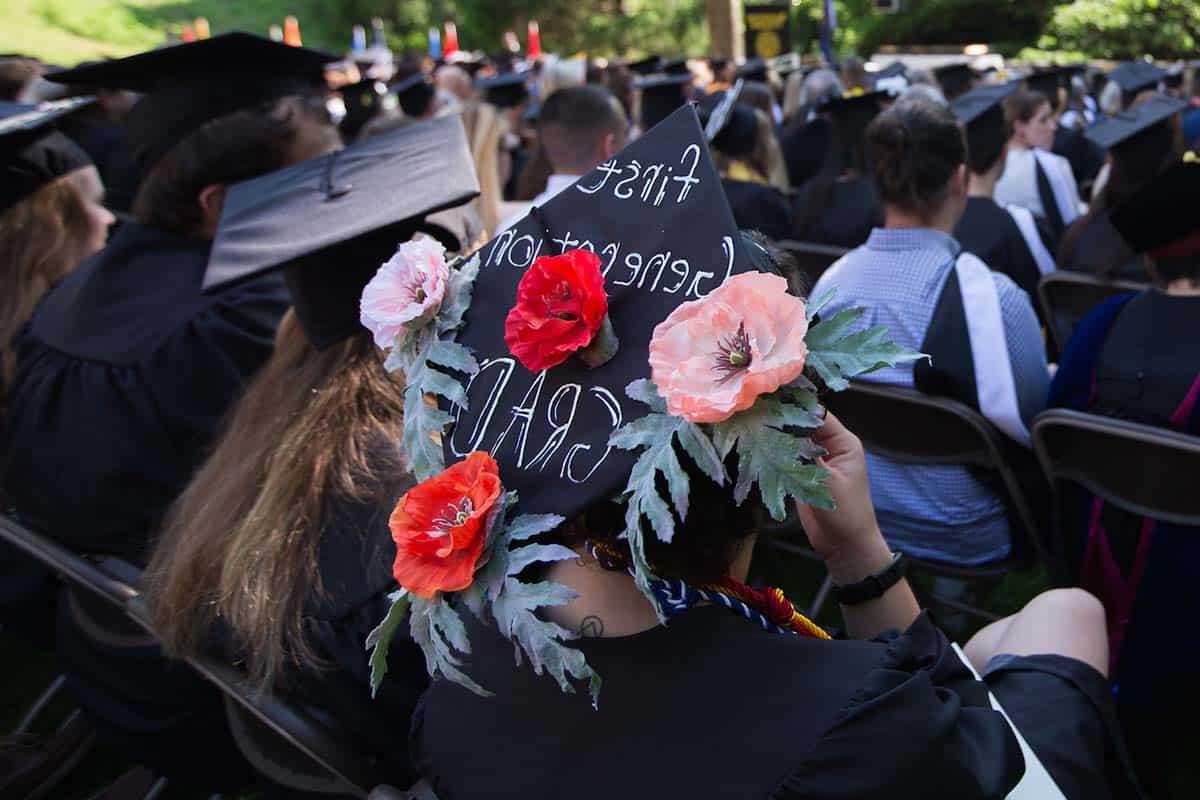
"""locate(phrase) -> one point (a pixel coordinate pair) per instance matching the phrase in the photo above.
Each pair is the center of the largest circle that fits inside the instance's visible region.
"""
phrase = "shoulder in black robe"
(758, 207)
(990, 232)
(1100, 250)
(123, 376)
(849, 213)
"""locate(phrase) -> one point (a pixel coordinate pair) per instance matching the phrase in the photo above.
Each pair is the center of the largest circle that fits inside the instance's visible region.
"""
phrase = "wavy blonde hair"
(241, 543)
(486, 128)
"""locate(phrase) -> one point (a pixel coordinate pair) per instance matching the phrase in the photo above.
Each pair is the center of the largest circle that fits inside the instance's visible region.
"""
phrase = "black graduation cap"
(1162, 219)
(661, 95)
(364, 101)
(1173, 79)
(415, 93)
(657, 217)
(854, 112)
(954, 78)
(754, 70)
(715, 109)
(645, 66)
(731, 127)
(187, 85)
(981, 111)
(676, 66)
(330, 222)
(896, 69)
(1124, 125)
(1049, 80)
(505, 91)
(1136, 76)
(32, 151)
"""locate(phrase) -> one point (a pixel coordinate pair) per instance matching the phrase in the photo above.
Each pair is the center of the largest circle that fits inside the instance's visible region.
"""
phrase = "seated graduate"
(738, 137)
(52, 215)
(977, 325)
(1009, 240)
(840, 205)
(1136, 358)
(128, 366)
(509, 93)
(277, 553)
(805, 135)
(1035, 178)
(1142, 142)
(676, 651)
(579, 128)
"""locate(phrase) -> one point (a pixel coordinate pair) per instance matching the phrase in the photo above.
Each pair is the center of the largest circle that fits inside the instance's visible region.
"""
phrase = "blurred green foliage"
(1125, 29)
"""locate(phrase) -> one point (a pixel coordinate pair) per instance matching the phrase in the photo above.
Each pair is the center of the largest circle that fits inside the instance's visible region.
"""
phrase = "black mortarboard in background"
(1048, 81)
(661, 95)
(1173, 79)
(730, 127)
(1163, 218)
(1122, 127)
(955, 79)
(187, 85)
(1136, 76)
(471, 63)
(33, 152)
(981, 111)
(676, 66)
(414, 93)
(330, 222)
(896, 69)
(853, 113)
(672, 240)
(364, 101)
(505, 91)
(645, 66)
(754, 70)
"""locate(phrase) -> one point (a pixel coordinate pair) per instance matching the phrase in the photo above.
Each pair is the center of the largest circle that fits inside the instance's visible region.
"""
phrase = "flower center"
(454, 515)
(557, 303)
(733, 354)
(418, 294)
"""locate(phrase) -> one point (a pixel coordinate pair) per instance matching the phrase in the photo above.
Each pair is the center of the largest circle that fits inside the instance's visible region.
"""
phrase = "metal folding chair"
(1067, 297)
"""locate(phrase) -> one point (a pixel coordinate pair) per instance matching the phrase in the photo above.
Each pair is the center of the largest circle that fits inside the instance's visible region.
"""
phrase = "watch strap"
(872, 586)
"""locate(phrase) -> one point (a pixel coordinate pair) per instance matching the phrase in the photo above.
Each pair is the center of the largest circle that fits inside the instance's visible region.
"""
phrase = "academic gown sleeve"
(921, 726)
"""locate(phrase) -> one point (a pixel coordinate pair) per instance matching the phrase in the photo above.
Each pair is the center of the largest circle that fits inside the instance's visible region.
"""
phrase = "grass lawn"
(68, 31)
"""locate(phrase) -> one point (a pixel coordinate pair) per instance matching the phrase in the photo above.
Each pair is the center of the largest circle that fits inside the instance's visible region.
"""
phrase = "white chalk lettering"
(634, 262)
(488, 408)
(607, 169)
(522, 415)
(614, 412)
(727, 248)
(561, 427)
(635, 169)
(689, 180)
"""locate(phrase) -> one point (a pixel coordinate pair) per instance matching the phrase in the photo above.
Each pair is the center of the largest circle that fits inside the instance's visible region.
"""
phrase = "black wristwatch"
(872, 586)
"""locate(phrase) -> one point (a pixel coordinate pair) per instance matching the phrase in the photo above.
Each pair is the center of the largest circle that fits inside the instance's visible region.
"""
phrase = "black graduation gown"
(804, 146)
(1101, 250)
(758, 207)
(990, 232)
(123, 376)
(712, 706)
(850, 213)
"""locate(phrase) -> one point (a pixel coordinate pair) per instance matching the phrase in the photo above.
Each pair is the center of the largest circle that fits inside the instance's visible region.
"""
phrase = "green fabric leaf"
(457, 299)
(644, 391)
(821, 300)
(438, 630)
(379, 640)
(452, 355)
(778, 461)
(837, 355)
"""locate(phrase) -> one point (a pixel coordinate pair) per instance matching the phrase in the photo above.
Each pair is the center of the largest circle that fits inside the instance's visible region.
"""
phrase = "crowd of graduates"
(186, 384)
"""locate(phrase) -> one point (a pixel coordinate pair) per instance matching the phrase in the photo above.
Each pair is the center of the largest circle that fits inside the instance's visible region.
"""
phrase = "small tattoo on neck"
(592, 627)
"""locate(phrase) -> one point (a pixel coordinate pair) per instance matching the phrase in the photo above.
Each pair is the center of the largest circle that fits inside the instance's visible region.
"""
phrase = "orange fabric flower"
(713, 357)
(561, 306)
(439, 526)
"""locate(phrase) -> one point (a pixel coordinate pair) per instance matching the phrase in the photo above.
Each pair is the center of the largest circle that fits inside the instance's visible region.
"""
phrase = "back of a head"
(574, 123)
(913, 150)
(1023, 105)
(820, 85)
(1138, 159)
(16, 74)
(758, 95)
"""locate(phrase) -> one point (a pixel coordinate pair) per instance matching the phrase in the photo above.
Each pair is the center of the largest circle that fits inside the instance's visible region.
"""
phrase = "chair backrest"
(1145, 470)
(1067, 297)
(909, 427)
(84, 572)
(813, 258)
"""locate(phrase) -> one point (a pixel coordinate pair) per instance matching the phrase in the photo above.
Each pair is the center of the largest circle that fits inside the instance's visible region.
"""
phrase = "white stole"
(1033, 240)
(995, 386)
(1059, 186)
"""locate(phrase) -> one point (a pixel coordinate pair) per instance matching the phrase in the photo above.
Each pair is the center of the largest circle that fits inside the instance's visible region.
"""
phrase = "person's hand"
(848, 538)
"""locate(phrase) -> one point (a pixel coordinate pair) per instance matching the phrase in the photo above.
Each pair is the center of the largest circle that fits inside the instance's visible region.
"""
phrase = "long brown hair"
(241, 543)
(42, 238)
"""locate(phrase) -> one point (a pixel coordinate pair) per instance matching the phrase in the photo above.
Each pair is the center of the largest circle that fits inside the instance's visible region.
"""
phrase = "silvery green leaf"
(522, 557)
(433, 625)
(457, 299)
(816, 304)
(380, 639)
(452, 355)
(527, 526)
(644, 391)
(778, 461)
(423, 421)
(837, 354)
(700, 449)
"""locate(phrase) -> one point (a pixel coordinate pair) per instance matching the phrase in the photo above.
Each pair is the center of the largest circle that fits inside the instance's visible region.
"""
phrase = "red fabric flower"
(561, 305)
(439, 526)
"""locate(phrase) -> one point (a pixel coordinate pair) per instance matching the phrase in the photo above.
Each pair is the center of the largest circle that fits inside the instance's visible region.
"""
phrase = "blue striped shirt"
(940, 512)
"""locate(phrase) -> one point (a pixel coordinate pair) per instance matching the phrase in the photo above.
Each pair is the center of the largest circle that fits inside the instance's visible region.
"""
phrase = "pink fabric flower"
(406, 292)
(713, 357)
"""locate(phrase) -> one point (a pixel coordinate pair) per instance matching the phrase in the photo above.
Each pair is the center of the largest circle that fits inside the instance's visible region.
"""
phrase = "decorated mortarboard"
(1121, 127)
(1136, 76)
(33, 152)
(645, 66)
(722, 104)
(505, 91)
(731, 127)
(186, 85)
(1161, 219)
(660, 96)
(414, 93)
(954, 78)
(575, 358)
(754, 70)
(329, 222)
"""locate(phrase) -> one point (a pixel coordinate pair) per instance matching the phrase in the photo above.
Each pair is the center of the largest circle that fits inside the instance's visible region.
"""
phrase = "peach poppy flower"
(406, 292)
(439, 526)
(713, 357)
